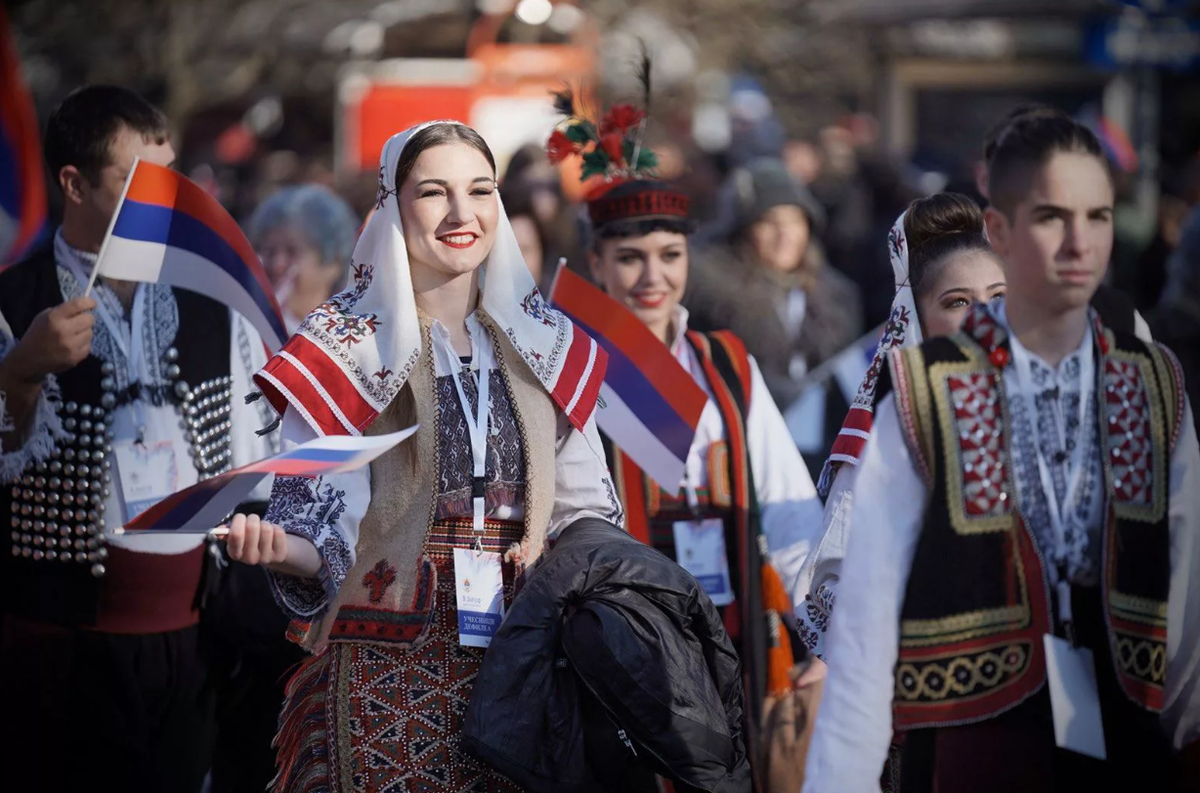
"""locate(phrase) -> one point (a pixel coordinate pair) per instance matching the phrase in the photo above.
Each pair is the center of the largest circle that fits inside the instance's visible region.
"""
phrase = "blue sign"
(1168, 43)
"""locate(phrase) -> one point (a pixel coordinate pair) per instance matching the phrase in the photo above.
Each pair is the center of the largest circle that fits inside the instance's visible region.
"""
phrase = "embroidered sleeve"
(822, 570)
(583, 486)
(324, 510)
(45, 426)
(812, 620)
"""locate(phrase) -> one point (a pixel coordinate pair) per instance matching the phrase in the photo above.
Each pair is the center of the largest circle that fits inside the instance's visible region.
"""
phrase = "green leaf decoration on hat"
(581, 132)
(595, 163)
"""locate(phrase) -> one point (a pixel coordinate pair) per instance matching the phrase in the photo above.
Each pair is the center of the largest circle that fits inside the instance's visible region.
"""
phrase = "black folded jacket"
(611, 664)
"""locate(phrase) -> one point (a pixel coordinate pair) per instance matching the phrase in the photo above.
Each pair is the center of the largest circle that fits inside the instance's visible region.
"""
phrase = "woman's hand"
(255, 541)
(815, 673)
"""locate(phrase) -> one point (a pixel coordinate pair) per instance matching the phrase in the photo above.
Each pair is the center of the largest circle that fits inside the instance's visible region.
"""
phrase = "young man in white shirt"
(1029, 499)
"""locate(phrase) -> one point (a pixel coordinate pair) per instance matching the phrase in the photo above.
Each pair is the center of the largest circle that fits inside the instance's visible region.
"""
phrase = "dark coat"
(727, 293)
(612, 663)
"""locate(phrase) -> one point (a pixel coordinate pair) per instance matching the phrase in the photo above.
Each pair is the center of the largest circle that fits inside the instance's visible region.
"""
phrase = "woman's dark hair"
(640, 227)
(1033, 134)
(81, 129)
(936, 227)
(439, 135)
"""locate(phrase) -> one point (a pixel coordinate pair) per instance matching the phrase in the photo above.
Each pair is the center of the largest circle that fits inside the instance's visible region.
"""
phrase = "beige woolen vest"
(404, 480)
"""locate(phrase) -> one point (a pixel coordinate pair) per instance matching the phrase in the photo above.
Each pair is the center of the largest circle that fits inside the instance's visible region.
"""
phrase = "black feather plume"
(644, 76)
(564, 101)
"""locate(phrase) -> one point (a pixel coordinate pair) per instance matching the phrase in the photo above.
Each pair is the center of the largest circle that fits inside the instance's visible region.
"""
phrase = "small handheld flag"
(649, 404)
(22, 184)
(204, 505)
(168, 230)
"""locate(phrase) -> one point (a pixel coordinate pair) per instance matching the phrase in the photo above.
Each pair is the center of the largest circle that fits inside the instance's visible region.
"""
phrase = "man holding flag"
(110, 402)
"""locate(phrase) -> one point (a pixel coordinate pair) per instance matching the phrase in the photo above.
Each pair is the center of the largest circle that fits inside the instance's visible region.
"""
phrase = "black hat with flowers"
(630, 200)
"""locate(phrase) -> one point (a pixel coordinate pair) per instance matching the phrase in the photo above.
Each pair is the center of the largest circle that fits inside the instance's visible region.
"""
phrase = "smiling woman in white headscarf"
(441, 315)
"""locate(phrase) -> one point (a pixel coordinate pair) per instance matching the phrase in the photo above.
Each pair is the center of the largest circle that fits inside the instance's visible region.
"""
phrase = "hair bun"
(939, 216)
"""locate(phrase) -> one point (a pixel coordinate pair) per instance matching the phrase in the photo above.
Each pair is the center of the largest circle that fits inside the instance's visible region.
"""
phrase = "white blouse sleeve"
(45, 426)
(791, 509)
(582, 484)
(854, 726)
(326, 510)
(822, 571)
(1181, 712)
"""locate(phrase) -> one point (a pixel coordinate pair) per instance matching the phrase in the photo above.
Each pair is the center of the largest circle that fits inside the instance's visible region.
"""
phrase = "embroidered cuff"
(308, 508)
(303, 598)
(812, 619)
(44, 430)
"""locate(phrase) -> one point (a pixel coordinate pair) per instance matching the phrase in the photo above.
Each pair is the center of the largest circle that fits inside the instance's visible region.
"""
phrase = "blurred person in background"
(770, 284)
(529, 170)
(304, 236)
(1145, 280)
(518, 203)
(1176, 320)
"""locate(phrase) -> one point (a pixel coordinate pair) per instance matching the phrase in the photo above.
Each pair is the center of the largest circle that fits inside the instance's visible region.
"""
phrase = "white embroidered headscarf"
(352, 354)
(901, 330)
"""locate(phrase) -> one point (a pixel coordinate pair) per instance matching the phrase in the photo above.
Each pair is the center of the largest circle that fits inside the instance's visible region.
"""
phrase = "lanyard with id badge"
(700, 549)
(478, 576)
(1070, 669)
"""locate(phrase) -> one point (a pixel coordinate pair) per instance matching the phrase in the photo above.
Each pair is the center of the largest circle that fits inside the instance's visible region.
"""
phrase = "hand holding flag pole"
(197, 509)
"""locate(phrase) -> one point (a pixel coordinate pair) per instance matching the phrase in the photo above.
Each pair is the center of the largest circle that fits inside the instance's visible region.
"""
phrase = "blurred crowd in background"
(800, 130)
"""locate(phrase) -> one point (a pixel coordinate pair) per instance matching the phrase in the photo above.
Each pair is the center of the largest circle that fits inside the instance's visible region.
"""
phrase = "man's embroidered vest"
(52, 556)
(978, 599)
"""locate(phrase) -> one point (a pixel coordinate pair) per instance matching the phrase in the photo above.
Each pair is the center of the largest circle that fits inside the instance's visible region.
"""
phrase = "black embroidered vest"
(52, 557)
(978, 599)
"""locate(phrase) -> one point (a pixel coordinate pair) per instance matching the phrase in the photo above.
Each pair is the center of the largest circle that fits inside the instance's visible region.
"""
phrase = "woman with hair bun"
(943, 265)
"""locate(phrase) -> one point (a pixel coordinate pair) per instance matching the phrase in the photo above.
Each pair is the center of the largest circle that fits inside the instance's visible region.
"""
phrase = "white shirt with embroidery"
(787, 498)
(1057, 398)
(328, 509)
(161, 423)
(854, 728)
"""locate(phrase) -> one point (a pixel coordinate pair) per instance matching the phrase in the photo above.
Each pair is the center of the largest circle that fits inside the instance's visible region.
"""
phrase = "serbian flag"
(22, 181)
(169, 230)
(649, 405)
(205, 505)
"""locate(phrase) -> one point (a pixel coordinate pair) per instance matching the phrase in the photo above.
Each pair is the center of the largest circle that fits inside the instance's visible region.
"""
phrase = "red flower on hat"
(613, 144)
(621, 118)
(560, 147)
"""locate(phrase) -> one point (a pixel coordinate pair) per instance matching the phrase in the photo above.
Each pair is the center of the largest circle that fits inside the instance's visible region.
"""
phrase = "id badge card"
(148, 473)
(479, 586)
(700, 549)
(1074, 698)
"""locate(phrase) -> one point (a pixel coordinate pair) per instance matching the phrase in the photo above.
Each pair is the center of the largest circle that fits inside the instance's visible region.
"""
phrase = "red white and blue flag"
(205, 505)
(22, 183)
(649, 405)
(169, 230)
